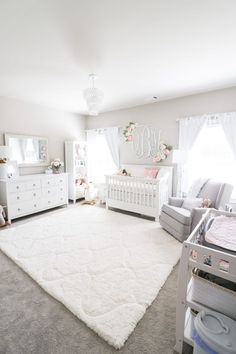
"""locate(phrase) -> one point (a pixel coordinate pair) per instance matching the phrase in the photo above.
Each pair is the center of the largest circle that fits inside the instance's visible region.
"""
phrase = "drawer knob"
(17, 187)
(35, 205)
(18, 209)
(49, 192)
(34, 185)
(17, 197)
(34, 194)
(49, 202)
(48, 182)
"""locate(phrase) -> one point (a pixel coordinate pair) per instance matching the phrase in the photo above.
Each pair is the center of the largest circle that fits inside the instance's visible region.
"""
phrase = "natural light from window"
(211, 157)
(100, 162)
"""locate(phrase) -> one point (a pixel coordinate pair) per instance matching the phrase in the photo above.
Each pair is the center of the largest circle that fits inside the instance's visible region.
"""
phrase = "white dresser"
(33, 193)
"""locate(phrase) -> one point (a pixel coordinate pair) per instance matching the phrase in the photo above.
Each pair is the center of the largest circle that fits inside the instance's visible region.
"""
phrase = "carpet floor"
(32, 322)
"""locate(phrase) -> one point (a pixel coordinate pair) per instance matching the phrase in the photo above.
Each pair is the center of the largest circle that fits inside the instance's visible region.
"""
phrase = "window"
(100, 162)
(211, 156)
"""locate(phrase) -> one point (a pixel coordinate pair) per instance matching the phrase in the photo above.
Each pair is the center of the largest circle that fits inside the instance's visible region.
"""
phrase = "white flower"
(163, 156)
(162, 146)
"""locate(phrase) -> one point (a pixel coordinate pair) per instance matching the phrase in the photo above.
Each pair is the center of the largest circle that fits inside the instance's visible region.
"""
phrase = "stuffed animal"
(2, 217)
(206, 203)
(123, 173)
(90, 193)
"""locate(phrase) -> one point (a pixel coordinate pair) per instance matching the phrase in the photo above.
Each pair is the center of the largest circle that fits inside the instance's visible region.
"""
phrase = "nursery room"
(117, 177)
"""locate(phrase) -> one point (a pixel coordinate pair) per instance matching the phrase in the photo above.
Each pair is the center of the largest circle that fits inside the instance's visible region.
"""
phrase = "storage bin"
(214, 333)
(213, 295)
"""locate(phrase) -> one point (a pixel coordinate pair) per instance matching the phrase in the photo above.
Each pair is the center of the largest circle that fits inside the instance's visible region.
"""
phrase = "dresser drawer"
(14, 187)
(48, 182)
(25, 196)
(25, 208)
(60, 180)
(50, 191)
(33, 185)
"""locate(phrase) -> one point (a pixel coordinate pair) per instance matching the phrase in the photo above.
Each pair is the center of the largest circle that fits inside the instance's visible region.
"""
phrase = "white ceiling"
(138, 48)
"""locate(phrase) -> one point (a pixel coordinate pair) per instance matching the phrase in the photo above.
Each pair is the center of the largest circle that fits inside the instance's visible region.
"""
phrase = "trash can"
(214, 333)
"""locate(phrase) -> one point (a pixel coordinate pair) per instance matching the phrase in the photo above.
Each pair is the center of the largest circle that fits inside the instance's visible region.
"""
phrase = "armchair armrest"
(177, 202)
(196, 215)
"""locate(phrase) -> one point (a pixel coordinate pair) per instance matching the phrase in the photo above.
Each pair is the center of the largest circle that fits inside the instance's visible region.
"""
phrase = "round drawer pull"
(49, 201)
(17, 197)
(18, 209)
(17, 187)
(48, 182)
(49, 192)
(34, 194)
(34, 185)
(35, 205)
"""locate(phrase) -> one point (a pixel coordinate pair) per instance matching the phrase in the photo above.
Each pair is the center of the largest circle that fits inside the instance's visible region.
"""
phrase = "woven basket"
(214, 296)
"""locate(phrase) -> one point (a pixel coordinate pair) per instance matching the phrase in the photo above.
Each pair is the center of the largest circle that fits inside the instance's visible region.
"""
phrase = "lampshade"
(93, 97)
(179, 156)
(5, 152)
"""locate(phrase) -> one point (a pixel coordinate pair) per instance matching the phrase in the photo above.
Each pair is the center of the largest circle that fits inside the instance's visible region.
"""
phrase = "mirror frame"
(7, 136)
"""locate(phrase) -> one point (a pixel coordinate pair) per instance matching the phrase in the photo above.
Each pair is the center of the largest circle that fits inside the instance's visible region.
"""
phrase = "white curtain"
(113, 142)
(228, 123)
(100, 161)
(189, 129)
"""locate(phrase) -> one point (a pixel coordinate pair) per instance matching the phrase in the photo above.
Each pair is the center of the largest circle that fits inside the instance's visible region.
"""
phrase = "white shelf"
(189, 325)
(184, 316)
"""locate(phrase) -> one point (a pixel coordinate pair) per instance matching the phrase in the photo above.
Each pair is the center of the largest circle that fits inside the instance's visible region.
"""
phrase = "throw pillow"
(150, 172)
(191, 203)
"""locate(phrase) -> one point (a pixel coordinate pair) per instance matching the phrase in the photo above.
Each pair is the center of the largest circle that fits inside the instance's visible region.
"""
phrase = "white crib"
(139, 194)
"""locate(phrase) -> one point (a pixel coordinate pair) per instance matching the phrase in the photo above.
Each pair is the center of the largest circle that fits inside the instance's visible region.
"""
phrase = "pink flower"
(166, 152)
(130, 138)
(157, 158)
(129, 129)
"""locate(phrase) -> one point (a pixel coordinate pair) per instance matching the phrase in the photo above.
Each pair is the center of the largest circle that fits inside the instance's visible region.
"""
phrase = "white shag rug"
(104, 266)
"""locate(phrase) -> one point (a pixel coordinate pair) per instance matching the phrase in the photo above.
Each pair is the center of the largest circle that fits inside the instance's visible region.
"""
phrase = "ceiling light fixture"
(93, 96)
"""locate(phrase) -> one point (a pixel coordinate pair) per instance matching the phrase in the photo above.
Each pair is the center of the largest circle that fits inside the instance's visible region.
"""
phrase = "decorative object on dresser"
(76, 167)
(57, 165)
(33, 193)
(5, 155)
(138, 193)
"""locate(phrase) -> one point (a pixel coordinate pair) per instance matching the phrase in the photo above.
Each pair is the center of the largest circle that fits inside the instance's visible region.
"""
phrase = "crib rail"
(138, 194)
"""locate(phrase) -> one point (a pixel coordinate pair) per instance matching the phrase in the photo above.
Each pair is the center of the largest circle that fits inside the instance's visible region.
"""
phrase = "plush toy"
(123, 173)
(206, 203)
(90, 193)
(2, 217)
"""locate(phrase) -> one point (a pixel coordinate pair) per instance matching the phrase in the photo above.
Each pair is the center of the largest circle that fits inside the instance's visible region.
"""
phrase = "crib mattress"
(222, 233)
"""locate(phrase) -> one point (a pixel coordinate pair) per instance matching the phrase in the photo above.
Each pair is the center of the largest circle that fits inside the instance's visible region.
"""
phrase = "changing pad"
(222, 232)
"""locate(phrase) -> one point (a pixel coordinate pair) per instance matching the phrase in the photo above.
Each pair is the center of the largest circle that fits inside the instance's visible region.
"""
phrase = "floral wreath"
(129, 131)
(164, 151)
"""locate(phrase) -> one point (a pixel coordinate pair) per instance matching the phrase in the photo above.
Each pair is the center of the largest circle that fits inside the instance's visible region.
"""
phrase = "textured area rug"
(105, 267)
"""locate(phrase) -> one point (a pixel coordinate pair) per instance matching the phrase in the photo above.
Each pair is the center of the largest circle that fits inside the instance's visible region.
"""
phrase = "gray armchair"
(179, 222)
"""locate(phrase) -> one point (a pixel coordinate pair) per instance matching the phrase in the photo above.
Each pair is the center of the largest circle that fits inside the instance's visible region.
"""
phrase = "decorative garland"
(129, 131)
(164, 151)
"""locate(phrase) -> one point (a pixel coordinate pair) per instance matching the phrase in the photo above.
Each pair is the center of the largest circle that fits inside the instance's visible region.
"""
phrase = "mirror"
(28, 150)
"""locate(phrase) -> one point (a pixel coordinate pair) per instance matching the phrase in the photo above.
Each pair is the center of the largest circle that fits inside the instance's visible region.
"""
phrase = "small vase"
(56, 171)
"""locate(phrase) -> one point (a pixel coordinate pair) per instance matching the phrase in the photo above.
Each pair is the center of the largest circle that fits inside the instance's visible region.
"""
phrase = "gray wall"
(163, 115)
(19, 117)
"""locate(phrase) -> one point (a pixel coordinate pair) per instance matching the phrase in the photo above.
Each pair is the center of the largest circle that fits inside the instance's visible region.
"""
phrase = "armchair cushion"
(179, 214)
(177, 202)
(196, 215)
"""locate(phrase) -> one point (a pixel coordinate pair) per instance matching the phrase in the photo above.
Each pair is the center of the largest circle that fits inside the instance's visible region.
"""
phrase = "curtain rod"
(207, 115)
(103, 128)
